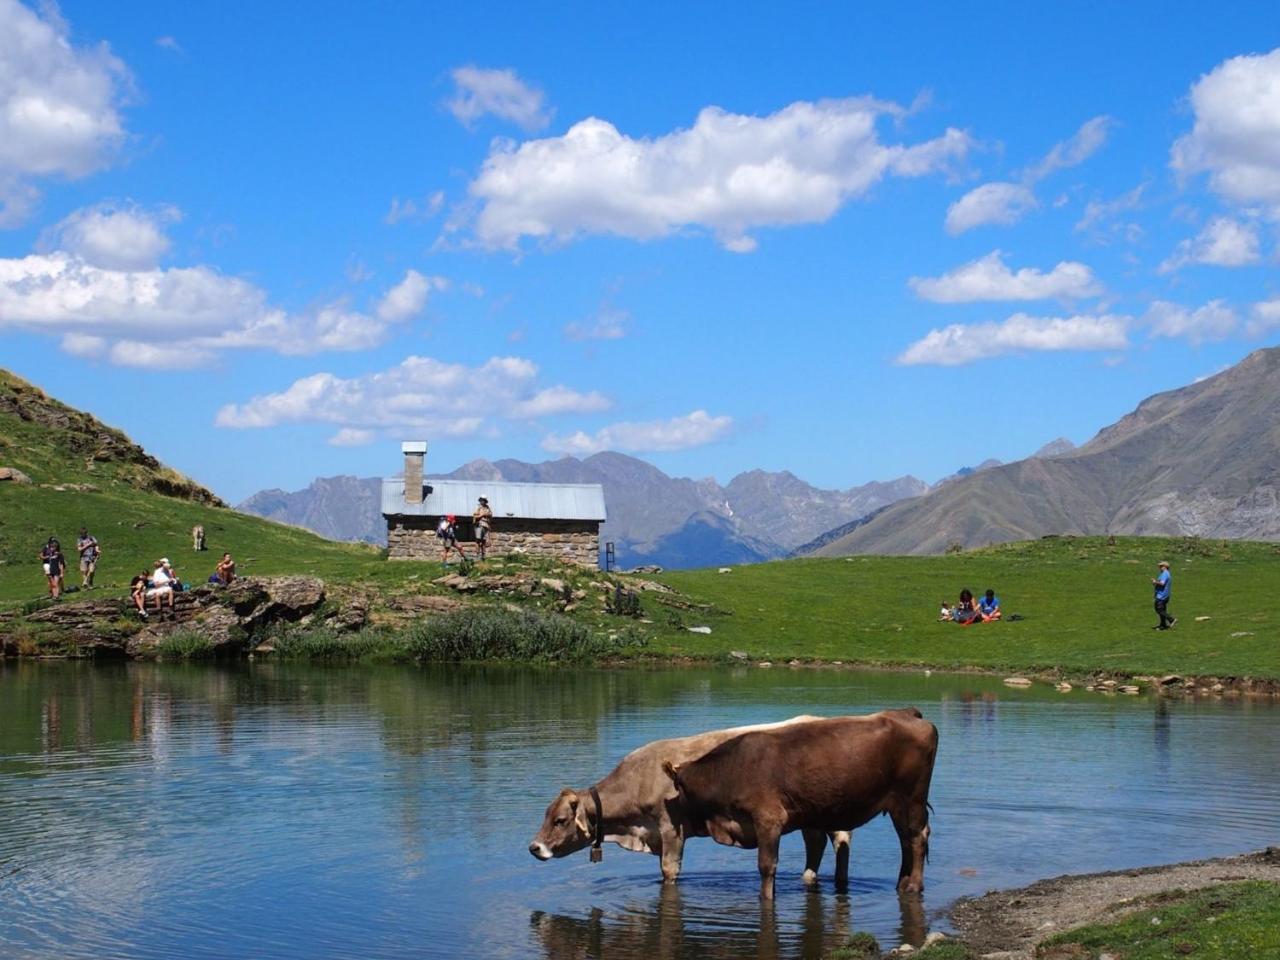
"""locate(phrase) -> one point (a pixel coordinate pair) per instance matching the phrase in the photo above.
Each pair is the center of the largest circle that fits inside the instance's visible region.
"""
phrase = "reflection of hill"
(674, 927)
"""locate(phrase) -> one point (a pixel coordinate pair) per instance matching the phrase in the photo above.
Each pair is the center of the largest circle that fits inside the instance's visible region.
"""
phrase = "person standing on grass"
(447, 533)
(89, 551)
(482, 518)
(54, 564)
(1163, 584)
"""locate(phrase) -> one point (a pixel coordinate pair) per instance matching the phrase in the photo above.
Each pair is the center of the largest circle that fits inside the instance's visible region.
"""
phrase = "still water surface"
(276, 810)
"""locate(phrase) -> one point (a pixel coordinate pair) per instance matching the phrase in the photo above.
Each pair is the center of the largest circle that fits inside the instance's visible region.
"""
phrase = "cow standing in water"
(821, 775)
(638, 807)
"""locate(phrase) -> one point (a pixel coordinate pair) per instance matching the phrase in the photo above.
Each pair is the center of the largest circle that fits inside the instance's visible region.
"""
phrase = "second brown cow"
(831, 774)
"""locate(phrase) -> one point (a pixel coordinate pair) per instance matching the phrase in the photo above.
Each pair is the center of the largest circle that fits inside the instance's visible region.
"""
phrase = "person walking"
(1163, 584)
(481, 519)
(89, 550)
(447, 534)
(54, 565)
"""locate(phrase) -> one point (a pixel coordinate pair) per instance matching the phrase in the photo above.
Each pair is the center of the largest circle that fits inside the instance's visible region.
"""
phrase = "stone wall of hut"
(573, 541)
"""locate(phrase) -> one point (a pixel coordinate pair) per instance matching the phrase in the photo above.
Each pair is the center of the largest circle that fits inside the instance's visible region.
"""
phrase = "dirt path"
(1007, 924)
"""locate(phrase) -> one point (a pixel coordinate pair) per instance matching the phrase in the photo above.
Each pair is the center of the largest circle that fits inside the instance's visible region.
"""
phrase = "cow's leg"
(815, 845)
(840, 840)
(768, 836)
(912, 825)
(672, 853)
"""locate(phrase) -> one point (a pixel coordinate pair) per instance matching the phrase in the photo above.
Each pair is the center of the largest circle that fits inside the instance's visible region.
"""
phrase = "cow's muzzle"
(540, 850)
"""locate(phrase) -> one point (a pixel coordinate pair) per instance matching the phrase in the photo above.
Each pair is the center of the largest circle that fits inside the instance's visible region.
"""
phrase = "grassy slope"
(1239, 921)
(1087, 607)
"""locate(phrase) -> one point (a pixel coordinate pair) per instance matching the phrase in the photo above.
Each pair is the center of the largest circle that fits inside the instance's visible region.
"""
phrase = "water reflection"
(333, 812)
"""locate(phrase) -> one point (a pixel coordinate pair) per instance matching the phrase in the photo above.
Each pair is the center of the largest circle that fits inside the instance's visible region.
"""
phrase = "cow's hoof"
(910, 886)
(810, 877)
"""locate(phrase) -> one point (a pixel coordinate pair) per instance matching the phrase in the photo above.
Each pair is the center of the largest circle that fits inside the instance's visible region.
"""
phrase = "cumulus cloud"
(1222, 243)
(961, 343)
(403, 210)
(1005, 203)
(1264, 317)
(59, 106)
(498, 92)
(988, 278)
(116, 237)
(728, 174)
(408, 297)
(1236, 135)
(115, 312)
(695, 429)
(999, 203)
(419, 393)
(352, 437)
(1214, 321)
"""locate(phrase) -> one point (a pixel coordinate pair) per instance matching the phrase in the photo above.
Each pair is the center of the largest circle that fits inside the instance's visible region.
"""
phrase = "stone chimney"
(415, 453)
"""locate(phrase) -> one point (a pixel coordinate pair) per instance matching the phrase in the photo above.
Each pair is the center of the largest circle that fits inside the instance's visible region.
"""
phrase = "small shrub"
(293, 642)
(33, 606)
(185, 645)
(955, 546)
(861, 946)
(478, 634)
(624, 603)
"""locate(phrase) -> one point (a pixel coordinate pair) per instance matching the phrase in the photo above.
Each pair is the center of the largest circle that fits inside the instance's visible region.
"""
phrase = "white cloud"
(1222, 243)
(59, 106)
(1103, 219)
(499, 92)
(1083, 144)
(728, 174)
(961, 343)
(1264, 318)
(63, 294)
(988, 278)
(425, 209)
(407, 298)
(608, 324)
(679, 433)
(421, 393)
(352, 437)
(1000, 203)
(170, 43)
(1214, 321)
(114, 237)
(1236, 136)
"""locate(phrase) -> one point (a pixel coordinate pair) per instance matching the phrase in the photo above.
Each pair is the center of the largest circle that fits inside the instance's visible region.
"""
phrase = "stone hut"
(560, 520)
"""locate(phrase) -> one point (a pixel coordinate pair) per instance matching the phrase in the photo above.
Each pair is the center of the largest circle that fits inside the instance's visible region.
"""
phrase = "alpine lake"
(277, 810)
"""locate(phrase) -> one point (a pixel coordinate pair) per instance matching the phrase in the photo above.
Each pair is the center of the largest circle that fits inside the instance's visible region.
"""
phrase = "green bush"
(185, 645)
(292, 642)
(478, 634)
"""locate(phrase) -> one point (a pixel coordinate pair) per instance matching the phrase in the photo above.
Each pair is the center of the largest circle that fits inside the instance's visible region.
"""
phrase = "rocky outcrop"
(14, 475)
(230, 618)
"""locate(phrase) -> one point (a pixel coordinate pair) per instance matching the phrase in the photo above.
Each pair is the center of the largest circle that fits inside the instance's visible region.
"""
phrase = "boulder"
(1017, 682)
(14, 475)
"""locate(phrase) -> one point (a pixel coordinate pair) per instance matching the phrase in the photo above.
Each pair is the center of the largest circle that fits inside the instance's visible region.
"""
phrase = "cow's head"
(565, 829)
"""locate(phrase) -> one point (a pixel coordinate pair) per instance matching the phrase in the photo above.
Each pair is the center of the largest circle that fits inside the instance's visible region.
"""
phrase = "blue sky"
(853, 243)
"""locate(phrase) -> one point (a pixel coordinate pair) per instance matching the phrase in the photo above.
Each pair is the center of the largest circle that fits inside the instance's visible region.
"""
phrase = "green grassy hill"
(84, 473)
(1087, 606)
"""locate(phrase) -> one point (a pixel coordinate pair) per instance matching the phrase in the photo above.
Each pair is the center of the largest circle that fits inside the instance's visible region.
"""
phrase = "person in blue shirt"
(989, 607)
(1163, 584)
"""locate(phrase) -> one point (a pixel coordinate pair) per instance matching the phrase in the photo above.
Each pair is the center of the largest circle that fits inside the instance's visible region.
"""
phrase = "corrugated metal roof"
(531, 501)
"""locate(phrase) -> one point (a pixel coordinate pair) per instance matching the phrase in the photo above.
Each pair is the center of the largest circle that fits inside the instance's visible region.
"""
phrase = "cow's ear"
(671, 770)
(572, 798)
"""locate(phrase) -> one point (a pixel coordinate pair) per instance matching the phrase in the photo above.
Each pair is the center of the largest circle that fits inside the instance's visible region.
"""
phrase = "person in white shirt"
(161, 589)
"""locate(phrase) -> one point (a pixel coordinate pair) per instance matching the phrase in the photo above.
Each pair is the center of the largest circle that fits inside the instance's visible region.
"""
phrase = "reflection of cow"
(831, 774)
(642, 810)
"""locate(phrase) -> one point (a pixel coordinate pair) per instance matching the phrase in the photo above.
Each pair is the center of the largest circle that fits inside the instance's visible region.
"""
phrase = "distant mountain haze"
(653, 518)
(1203, 460)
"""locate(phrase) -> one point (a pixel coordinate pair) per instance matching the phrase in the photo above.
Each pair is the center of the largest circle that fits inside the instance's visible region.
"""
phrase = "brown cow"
(643, 812)
(823, 775)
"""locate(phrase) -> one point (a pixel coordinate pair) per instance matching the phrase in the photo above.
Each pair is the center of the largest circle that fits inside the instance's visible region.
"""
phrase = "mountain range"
(1202, 460)
(653, 518)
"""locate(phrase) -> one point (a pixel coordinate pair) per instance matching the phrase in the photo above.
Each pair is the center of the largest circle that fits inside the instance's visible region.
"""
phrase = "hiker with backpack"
(447, 534)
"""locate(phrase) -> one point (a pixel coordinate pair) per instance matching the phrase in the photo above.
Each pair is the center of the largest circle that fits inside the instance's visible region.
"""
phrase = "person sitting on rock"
(966, 611)
(989, 607)
(161, 588)
(138, 593)
(175, 582)
(447, 533)
(225, 572)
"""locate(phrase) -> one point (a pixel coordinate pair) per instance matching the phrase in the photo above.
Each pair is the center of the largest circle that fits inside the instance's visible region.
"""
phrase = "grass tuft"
(185, 645)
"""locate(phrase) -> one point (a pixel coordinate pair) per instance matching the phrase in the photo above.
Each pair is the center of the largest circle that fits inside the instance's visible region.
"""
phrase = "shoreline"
(1008, 924)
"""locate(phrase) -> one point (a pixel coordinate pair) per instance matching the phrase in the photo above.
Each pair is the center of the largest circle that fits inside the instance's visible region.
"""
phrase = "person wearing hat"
(1163, 584)
(482, 518)
(447, 533)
